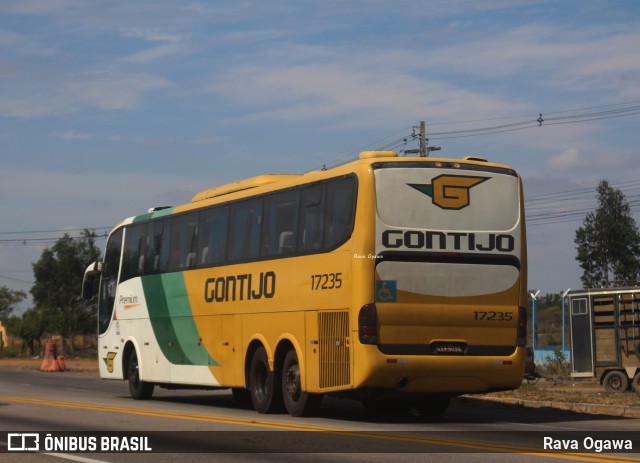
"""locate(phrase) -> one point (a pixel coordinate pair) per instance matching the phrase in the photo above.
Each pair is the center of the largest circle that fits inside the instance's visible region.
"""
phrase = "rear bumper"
(457, 374)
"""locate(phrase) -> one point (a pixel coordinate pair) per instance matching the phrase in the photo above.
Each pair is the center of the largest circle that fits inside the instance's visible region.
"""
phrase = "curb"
(588, 408)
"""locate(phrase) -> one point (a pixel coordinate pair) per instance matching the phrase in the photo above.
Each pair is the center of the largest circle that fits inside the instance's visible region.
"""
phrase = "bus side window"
(245, 230)
(157, 250)
(212, 243)
(108, 280)
(311, 222)
(339, 213)
(184, 242)
(280, 223)
(133, 255)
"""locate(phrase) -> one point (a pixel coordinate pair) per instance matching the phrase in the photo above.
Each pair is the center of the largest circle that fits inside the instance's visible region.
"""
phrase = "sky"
(110, 108)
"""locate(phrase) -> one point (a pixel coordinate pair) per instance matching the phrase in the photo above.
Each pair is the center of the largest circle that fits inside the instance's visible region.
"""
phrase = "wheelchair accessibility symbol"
(386, 291)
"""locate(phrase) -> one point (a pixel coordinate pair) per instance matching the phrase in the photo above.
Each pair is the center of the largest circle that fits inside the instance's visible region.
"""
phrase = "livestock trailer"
(605, 336)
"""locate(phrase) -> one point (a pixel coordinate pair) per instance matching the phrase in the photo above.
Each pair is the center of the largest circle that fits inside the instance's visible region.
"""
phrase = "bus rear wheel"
(139, 389)
(264, 385)
(296, 401)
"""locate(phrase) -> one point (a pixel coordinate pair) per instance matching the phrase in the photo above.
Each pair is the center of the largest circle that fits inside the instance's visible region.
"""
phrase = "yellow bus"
(397, 281)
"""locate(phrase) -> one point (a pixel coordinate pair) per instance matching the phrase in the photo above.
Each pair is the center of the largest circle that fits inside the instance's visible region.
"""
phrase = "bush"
(558, 365)
(9, 352)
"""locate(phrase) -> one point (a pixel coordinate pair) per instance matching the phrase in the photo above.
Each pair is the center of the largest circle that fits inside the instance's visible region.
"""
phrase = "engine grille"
(334, 348)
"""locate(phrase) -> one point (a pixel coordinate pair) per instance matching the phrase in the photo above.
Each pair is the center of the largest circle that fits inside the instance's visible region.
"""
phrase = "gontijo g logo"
(450, 191)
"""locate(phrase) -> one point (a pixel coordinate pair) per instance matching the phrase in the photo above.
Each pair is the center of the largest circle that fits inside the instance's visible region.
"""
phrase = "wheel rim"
(292, 382)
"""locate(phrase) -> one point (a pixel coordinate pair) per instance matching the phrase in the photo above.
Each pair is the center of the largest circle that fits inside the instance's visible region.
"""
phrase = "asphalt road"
(82, 410)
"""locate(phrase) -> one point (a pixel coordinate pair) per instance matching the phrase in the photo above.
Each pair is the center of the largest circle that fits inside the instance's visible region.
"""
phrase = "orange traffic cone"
(61, 364)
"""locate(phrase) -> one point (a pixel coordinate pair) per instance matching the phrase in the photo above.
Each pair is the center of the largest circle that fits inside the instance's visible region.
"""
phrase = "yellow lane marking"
(489, 447)
(163, 414)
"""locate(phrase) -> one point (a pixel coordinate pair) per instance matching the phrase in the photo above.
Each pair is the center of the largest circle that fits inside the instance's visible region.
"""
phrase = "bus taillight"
(368, 324)
(522, 327)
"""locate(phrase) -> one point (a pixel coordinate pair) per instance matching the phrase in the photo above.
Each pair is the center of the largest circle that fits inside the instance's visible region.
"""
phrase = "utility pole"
(423, 140)
(424, 149)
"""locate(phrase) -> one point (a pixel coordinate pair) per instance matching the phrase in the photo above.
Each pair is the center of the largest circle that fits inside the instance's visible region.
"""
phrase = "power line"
(534, 115)
(62, 230)
(16, 280)
(573, 205)
(49, 240)
(530, 122)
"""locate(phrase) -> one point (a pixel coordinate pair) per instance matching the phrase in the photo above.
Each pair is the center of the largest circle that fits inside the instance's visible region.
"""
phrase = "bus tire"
(615, 381)
(296, 401)
(139, 389)
(264, 384)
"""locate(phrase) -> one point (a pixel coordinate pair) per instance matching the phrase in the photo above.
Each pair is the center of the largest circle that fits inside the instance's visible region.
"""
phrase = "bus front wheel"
(297, 401)
(139, 389)
(264, 385)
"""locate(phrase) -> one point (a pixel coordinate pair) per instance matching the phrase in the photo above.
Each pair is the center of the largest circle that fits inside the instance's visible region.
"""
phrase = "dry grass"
(571, 392)
(78, 365)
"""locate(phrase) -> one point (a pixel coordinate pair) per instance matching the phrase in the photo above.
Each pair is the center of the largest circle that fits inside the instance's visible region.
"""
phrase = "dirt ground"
(570, 391)
(555, 390)
(78, 365)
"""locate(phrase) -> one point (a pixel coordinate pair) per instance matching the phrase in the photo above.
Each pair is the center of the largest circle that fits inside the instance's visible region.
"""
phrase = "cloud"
(63, 93)
(73, 135)
(104, 198)
(572, 160)
(360, 93)
(14, 43)
(552, 57)
(39, 7)
(155, 53)
(509, 70)
(153, 35)
(566, 160)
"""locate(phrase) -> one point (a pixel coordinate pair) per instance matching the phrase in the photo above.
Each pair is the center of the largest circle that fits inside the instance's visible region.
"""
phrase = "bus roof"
(367, 157)
(268, 181)
(242, 185)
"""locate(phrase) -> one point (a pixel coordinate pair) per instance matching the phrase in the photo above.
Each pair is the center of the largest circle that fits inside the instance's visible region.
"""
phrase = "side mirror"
(91, 280)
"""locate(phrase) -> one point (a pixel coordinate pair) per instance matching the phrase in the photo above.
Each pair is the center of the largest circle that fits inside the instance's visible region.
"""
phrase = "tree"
(58, 285)
(29, 328)
(8, 300)
(608, 243)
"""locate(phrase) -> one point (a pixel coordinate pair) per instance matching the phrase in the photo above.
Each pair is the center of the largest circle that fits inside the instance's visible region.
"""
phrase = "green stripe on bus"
(153, 215)
(172, 320)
